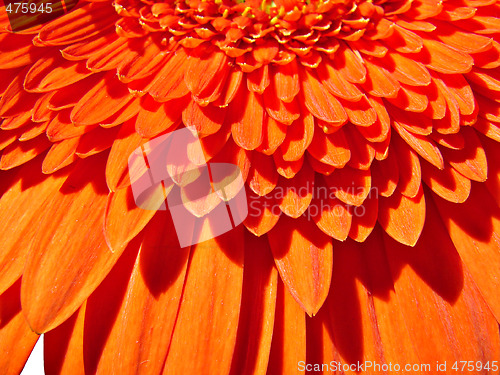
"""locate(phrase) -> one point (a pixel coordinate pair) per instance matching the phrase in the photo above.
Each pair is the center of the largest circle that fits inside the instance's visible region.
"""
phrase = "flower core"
(266, 32)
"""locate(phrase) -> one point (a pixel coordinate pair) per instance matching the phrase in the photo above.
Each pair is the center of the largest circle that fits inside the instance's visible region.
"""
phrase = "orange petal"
(379, 303)
(207, 120)
(299, 136)
(97, 141)
(349, 308)
(21, 214)
(69, 96)
(15, 100)
(385, 174)
(415, 123)
(304, 256)
(155, 118)
(258, 80)
(330, 214)
(283, 112)
(124, 219)
(258, 305)
(19, 153)
(168, 82)
(205, 75)
(286, 81)
(196, 346)
(16, 338)
(350, 65)
(273, 134)
(233, 154)
(289, 335)
(364, 217)
(150, 305)
(127, 140)
(263, 213)
(103, 100)
(246, 117)
(34, 132)
(60, 155)
(318, 166)
(331, 149)
(78, 25)
(493, 181)
(460, 90)
(233, 83)
(84, 50)
(61, 127)
(425, 147)
(380, 82)
(143, 65)
(408, 71)
(444, 312)
(54, 73)
(337, 84)
(360, 113)
(379, 130)
(447, 183)
(350, 185)
(262, 177)
(471, 160)
(320, 102)
(63, 346)
(441, 58)
(461, 40)
(403, 218)
(409, 169)
(102, 307)
(295, 194)
(18, 51)
(78, 259)
(287, 169)
(362, 152)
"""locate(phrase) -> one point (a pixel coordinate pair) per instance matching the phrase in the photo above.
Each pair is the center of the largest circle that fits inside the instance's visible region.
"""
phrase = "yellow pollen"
(246, 11)
(218, 2)
(274, 20)
(226, 13)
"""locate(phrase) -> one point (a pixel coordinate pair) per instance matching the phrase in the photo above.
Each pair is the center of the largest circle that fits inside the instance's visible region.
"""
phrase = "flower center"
(273, 31)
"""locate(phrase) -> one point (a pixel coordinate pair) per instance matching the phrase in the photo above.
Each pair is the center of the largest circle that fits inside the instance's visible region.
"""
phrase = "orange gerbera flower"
(366, 132)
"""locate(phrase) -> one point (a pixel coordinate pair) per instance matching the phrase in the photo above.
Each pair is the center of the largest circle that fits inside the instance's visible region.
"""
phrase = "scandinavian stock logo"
(205, 199)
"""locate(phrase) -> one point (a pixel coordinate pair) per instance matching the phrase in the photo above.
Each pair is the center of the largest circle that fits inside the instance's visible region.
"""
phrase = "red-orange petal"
(56, 282)
(303, 255)
(403, 218)
(149, 308)
(196, 346)
(258, 305)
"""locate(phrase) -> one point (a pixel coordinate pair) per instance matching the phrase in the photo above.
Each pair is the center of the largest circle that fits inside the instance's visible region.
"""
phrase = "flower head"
(366, 132)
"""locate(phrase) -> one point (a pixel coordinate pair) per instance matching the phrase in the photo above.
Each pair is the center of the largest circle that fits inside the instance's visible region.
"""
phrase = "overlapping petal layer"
(366, 131)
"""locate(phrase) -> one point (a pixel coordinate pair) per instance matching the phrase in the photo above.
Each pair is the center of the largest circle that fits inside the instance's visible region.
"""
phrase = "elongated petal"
(474, 226)
(21, 214)
(16, 338)
(403, 218)
(63, 346)
(304, 261)
(78, 259)
(124, 219)
(258, 305)
(146, 318)
(196, 346)
(289, 336)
